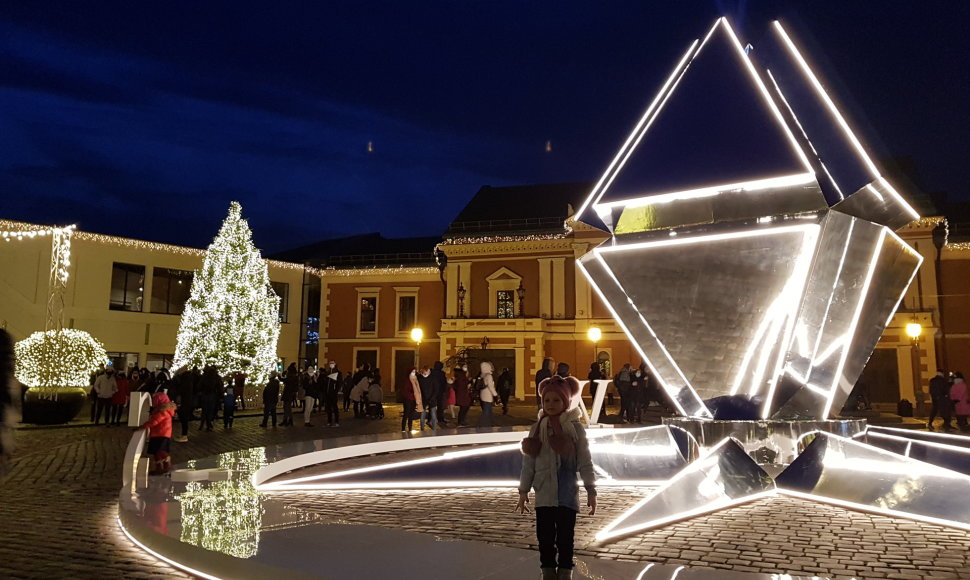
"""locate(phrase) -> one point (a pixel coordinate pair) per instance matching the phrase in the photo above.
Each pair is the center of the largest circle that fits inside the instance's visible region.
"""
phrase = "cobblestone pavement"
(59, 498)
(57, 517)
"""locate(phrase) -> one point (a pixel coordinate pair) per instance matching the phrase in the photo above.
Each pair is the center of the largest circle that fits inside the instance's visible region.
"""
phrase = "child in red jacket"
(159, 427)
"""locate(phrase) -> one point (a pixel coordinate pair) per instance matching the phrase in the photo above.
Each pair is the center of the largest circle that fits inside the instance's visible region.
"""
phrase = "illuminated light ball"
(58, 358)
(914, 330)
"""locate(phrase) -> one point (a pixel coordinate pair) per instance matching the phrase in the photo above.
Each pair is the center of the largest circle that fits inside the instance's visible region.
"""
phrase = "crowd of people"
(436, 399)
(949, 396)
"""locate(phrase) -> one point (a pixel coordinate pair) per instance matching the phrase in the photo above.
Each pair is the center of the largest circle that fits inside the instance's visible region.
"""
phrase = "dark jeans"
(944, 409)
(103, 405)
(116, 413)
(463, 414)
(269, 411)
(333, 409)
(208, 414)
(287, 412)
(346, 401)
(228, 414)
(358, 409)
(554, 530)
(185, 415)
(504, 397)
(486, 419)
(406, 418)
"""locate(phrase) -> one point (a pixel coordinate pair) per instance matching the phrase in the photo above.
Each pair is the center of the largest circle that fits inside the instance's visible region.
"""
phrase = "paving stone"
(68, 479)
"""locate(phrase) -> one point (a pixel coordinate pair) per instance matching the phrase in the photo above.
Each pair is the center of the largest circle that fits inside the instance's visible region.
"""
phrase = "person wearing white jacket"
(555, 450)
(488, 394)
(105, 386)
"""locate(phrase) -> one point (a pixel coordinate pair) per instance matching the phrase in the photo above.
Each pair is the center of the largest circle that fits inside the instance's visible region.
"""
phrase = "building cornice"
(516, 245)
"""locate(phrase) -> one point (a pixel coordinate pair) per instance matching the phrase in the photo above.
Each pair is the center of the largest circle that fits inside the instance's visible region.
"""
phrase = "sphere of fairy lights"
(58, 358)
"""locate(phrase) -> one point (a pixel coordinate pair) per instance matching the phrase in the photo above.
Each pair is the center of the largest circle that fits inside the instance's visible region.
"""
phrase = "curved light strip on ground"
(169, 561)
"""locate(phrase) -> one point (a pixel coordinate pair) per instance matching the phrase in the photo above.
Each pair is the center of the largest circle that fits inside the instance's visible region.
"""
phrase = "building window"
(368, 314)
(406, 312)
(123, 361)
(505, 305)
(170, 290)
(282, 290)
(367, 319)
(127, 287)
(365, 356)
(502, 298)
(158, 361)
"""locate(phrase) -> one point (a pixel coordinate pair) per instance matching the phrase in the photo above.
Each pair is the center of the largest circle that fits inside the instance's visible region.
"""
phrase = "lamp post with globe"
(914, 330)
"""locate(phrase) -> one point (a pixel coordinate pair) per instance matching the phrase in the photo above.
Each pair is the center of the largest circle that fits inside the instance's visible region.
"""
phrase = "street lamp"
(914, 330)
(594, 334)
(941, 234)
(461, 300)
(417, 335)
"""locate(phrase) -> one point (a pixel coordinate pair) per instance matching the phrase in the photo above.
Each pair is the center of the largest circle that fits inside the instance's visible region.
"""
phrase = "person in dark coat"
(505, 387)
(331, 383)
(544, 373)
(462, 397)
(428, 398)
(942, 405)
(8, 399)
(291, 388)
(439, 382)
(210, 390)
(185, 399)
(596, 374)
(624, 384)
(271, 397)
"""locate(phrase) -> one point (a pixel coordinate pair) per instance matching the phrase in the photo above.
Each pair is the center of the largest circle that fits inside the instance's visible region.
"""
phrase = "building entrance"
(881, 376)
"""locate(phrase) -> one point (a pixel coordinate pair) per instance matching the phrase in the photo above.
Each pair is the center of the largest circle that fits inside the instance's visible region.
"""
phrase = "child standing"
(159, 427)
(554, 451)
(228, 408)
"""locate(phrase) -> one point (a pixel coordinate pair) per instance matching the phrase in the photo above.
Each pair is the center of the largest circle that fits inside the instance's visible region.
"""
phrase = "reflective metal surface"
(944, 455)
(767, 442)
(649, 454)
(859, 476)
(723, 477)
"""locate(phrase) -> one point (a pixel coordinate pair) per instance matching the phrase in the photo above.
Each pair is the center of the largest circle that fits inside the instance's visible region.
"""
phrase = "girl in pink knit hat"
(555, 450)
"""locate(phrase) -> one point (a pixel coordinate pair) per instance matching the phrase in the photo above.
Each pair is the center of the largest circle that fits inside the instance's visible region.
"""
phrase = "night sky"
(146, 119)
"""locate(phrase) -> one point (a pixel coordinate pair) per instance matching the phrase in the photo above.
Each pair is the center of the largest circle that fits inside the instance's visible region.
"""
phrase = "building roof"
(519, 209)
(364, 250)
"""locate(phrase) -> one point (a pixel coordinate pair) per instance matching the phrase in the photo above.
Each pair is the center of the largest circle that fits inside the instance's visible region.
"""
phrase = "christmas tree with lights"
(231, 319)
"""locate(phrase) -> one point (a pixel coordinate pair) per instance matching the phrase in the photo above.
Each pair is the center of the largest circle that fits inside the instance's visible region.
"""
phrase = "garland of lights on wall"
(58, 358)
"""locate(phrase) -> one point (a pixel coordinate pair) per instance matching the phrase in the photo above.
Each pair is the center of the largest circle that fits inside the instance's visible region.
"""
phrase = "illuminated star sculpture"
(752, 250)
(752, 256)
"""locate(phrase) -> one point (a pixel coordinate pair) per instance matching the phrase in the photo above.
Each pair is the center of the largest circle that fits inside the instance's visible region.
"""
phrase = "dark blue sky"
(146, 119)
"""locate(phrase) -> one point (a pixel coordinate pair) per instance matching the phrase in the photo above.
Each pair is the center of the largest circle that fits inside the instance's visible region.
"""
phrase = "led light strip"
(767, 96)
(597, 191)
(611, 531)
(872, 509)
(942, 446)
(169, 561)
(754, 185)
(855, 322)
(834, 111)
(791, 111)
